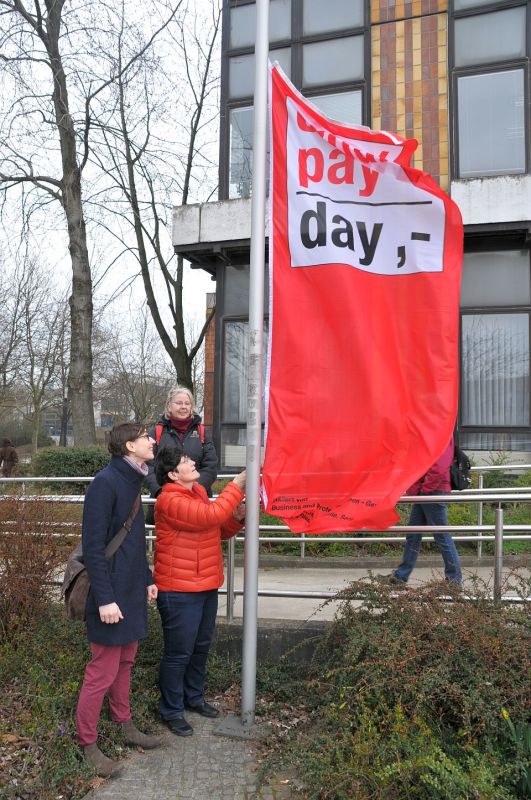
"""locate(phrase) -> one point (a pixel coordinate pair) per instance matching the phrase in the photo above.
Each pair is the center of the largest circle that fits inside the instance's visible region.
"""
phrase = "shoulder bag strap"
(117, 540)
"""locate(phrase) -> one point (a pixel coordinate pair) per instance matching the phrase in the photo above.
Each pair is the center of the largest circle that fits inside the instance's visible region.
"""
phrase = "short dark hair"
(123, 433)
(167, 459)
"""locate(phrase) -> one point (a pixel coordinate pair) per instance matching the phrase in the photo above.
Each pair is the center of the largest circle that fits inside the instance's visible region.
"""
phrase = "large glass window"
(487, 38)
(241, 152)
(333, 61)
(462, 5)
(495, 357)
(243, 23)
(341, 106)
(491, 92)
(236, 289)
(495, 384)
(332, 15)
(233, 448)
(491, 123)
(241, 71)
(496, 278)
(236, 350)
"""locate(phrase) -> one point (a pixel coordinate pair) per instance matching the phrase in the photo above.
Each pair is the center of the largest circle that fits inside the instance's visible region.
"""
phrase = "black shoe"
(205, 709)
(179, 727)
(390, 580)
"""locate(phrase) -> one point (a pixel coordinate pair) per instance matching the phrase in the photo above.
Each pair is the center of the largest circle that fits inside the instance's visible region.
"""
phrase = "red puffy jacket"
(190, 527)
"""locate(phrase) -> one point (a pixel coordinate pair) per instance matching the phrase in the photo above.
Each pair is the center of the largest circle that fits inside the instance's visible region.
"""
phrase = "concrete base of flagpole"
(232, 727)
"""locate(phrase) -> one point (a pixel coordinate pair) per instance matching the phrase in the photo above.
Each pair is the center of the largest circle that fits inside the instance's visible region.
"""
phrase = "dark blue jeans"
(430, 514)
(188, 620)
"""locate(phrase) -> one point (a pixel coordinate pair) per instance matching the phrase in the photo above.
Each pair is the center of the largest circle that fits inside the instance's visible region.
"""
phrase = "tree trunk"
(35, 426)
(64, 423)
(80, 373)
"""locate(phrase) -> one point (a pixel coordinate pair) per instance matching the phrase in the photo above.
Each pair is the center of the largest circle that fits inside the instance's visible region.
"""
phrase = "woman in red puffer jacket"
(188, 573)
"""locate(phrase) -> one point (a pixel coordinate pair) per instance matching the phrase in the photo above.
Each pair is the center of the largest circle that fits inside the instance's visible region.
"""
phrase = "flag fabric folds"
(365, 262)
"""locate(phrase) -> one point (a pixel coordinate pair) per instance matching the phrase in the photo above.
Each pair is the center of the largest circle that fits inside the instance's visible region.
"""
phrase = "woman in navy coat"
(119, 590)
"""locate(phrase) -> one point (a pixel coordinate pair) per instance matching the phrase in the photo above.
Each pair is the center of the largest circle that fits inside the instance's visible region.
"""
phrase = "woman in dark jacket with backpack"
(181, 426)
(120, 589)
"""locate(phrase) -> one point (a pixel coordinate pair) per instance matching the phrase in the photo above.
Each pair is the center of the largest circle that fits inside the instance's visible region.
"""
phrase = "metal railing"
(497, 533)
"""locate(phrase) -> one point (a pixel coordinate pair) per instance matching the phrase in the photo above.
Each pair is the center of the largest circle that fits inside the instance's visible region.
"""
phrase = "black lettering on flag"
(401, 252)
(420, 237)
(369, 246)
(320, 218)
(343, 237)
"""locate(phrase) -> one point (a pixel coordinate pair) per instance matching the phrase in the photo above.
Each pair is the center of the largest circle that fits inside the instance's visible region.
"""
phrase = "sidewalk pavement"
(199, 767)
(335, 579)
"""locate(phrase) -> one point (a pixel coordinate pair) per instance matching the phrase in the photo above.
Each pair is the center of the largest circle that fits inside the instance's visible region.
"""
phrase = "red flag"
(365, 268)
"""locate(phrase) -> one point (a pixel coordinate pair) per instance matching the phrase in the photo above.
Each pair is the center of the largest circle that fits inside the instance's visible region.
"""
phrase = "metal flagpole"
(254, 385)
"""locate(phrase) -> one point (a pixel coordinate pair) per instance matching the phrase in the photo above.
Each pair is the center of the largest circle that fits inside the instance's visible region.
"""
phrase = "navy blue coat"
(124, 578)
(204, 454)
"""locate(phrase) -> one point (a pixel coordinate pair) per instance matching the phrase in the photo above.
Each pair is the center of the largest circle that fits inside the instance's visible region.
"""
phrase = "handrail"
(229, 475)
(496, 532)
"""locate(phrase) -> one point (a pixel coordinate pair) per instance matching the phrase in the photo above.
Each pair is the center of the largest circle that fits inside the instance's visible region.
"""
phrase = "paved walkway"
(334, 579)
(199, 767)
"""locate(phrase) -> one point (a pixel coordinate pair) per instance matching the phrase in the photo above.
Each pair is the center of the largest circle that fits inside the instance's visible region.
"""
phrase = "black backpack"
(460, 470)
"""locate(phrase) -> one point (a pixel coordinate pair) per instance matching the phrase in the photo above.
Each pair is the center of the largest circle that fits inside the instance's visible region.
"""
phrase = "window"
(241, 71)
(234, 403)
(495, 354)
(333, 61)
(490, 90)
(243, 23)
(326, 58)
(491, 124)
(490, 37)
(332, 15)
(343, 106)
(241, 152)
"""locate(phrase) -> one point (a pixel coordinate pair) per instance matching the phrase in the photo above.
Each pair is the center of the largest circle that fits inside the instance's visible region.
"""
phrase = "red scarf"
(181, 426)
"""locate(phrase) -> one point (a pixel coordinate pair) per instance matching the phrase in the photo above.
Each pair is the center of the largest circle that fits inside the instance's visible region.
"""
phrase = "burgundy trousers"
(107, 673)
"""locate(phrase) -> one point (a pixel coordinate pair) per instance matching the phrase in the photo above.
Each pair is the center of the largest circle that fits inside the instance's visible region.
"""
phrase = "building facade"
(455, 75)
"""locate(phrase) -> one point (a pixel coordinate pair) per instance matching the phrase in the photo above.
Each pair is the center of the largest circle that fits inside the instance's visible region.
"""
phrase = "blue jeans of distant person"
(188, 620)
(430, 514)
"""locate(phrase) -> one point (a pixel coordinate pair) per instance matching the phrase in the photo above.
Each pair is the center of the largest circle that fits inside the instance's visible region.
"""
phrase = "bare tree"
(11, 325)
(45, 320)
(139, 153)
(135, 374)
(52, 56)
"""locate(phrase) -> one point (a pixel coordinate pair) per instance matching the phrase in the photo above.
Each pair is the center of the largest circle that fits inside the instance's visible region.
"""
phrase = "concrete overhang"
(503, 199)
(214, 234)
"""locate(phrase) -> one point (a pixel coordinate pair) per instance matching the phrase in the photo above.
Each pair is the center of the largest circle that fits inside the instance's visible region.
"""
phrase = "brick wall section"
(210, 346)
(410, 77)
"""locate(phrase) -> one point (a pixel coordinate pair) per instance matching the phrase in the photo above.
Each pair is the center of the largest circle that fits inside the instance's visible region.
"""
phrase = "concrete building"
(453, 74)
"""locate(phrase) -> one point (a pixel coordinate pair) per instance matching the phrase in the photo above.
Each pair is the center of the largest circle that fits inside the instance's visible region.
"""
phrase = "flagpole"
(254, 385)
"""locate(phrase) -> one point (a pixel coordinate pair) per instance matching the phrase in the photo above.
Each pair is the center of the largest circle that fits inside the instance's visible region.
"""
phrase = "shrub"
(70, 462)
(382, 753)
(459, 663)
(406, 695)
(29, 556)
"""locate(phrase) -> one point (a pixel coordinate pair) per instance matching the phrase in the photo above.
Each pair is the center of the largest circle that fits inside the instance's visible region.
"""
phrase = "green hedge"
(70, 462)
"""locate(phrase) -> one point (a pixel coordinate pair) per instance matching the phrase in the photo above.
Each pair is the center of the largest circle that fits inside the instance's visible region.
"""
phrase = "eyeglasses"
(144, 436)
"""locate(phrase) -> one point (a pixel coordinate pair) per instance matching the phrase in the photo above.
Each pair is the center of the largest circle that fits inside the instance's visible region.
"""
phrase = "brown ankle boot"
(103, 766)
(135, 737)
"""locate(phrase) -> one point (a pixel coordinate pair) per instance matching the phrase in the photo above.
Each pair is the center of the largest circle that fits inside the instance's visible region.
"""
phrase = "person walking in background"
(181, 425)
(435, 481)
(8, 458)
(188, 573)
(116, 614)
